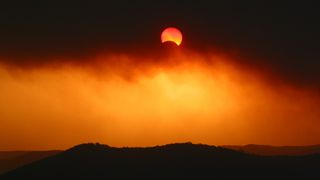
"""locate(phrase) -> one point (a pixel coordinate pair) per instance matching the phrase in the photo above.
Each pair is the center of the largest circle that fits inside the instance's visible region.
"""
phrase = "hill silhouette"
(10, 160)
(173, 161)
(276, 150)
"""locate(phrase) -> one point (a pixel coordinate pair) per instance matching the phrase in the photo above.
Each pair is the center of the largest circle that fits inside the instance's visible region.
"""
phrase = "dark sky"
(282, 35)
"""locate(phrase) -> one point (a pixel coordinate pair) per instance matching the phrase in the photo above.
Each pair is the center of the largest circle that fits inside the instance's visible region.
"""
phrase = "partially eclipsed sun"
(171, 34)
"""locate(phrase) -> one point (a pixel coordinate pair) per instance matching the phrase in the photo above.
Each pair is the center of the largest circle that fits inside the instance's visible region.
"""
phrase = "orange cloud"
(183, 97)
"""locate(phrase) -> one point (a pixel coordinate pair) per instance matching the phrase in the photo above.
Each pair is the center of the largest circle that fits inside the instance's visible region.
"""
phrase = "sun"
(171, 34)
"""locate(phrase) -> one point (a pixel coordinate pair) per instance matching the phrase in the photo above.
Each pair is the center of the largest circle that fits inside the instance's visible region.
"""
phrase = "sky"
(96, 71)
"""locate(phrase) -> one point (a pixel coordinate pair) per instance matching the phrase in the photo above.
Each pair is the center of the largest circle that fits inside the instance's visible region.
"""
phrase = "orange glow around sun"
(171, 34)
(117, 101)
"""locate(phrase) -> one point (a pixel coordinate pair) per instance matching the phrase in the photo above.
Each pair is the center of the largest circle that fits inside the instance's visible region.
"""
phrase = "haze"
(129, 100)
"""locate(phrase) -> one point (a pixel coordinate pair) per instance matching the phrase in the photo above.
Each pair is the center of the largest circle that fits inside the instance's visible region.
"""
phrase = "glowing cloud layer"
(203, 99)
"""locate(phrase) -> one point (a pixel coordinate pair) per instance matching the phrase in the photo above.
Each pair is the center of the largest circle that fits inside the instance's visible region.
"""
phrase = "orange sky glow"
(186, 97)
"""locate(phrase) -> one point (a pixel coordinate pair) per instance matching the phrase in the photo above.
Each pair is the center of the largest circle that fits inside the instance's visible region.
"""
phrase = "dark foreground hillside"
(174, 161)
(10, 160)
(276, 150)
